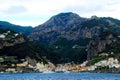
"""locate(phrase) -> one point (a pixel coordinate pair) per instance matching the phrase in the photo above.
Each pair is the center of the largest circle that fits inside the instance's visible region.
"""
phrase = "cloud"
(36, 11)
(15, 10)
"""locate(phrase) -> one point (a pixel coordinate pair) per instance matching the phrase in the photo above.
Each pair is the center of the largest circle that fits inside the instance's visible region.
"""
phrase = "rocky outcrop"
(11, 42)
(99, 43)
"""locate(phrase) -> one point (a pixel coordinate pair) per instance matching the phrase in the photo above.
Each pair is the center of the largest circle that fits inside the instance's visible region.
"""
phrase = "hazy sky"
(35, 12)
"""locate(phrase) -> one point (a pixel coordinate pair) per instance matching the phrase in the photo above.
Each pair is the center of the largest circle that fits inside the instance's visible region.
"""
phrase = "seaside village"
(65, 68)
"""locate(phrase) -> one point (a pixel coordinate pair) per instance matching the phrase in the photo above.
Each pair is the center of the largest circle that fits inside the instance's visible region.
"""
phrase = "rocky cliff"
(13, 44)
(100, 43)
(10, 38)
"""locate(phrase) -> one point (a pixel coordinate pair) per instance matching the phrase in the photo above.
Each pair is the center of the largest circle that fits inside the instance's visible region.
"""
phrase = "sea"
(59, 76)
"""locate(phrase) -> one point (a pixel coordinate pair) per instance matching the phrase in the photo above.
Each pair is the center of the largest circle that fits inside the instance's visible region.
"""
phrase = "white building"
(92, 68)
(40, 67)
(2, 36)
(16, 34)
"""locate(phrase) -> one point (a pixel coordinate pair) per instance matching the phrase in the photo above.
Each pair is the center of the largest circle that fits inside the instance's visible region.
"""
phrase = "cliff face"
(10, 38)
(12, 42)
(99, 44)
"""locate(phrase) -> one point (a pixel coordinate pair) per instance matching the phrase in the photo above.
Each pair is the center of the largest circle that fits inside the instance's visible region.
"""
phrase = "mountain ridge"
(23, 29)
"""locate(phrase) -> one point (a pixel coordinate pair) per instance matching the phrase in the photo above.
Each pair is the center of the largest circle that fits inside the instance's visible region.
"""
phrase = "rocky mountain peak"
(66, 16)
(63, 20)
(59, 24)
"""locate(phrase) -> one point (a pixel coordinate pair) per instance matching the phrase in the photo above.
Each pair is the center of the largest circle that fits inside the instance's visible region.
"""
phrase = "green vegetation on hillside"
(31, 50)
(69, 50)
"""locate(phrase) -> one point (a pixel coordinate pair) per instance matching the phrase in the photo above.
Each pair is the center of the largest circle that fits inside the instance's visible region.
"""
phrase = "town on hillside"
(25, 66)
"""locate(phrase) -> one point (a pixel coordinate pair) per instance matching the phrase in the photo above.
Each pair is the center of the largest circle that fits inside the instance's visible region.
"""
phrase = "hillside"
(23, 29)
(10, 38)
(15, 44)
(16, 49)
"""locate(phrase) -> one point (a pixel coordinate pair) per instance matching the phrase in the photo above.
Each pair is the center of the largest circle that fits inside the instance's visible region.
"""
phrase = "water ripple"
(60, 76)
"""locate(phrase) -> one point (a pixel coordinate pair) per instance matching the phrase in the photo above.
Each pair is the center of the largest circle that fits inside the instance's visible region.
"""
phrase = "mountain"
(59, 31)
(71, 26)
(69, 35)
(23, 29)
(60, 25)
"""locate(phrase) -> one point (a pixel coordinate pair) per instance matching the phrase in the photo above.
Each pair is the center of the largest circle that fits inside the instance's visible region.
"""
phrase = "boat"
(48, 72)
(67, 71)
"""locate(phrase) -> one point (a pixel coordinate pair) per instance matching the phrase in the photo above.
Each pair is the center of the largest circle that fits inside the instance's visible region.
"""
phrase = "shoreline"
(94, 72)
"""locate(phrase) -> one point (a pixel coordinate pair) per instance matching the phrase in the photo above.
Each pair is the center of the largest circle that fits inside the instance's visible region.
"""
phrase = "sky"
(36, 12)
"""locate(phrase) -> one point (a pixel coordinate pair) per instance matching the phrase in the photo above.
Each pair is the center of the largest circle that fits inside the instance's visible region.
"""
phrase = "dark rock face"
(11, 42)
(99, 43)
(10, 38)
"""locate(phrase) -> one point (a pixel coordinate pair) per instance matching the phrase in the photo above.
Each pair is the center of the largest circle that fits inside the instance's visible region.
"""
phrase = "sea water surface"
(59, 76)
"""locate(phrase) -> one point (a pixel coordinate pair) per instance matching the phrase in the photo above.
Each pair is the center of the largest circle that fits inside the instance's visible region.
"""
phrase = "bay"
(59, 76)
